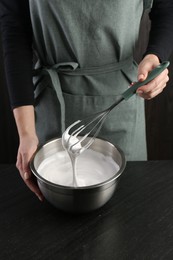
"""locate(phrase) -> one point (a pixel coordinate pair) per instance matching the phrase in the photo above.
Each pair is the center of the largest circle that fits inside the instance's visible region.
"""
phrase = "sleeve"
(16, 35)
(161, 32)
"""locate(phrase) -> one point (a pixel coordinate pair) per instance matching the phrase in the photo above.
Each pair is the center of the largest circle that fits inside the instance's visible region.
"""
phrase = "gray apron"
(85, 60)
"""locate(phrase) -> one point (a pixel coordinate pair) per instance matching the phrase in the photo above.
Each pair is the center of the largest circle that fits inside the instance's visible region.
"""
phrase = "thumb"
(26, 170)
(142, 74)
(143, 70)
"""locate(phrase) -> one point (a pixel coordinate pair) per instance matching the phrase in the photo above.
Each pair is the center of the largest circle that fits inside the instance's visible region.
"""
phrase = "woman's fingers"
(30, 181)
(27, 176)
(26, 150)
(155, 87)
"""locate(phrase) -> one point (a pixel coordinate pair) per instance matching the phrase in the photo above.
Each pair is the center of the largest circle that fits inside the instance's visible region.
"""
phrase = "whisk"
(77, 141)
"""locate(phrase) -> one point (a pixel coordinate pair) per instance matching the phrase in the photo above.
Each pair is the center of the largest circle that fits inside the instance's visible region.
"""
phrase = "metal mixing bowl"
(78, 199)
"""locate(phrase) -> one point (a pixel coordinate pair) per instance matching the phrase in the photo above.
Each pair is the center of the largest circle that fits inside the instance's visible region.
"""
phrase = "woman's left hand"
(157, 85)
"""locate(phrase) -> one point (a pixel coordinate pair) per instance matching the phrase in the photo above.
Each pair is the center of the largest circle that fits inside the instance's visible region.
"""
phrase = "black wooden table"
(137, 223)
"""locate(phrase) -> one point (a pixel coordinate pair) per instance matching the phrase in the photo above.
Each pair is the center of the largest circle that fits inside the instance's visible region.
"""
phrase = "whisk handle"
(154, 73)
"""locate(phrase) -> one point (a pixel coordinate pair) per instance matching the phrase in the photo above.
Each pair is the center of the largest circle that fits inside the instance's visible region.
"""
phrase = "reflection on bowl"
(78, 199)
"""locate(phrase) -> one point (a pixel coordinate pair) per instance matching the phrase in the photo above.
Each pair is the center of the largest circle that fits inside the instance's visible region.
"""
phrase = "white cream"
(91, 168)
(71, 143)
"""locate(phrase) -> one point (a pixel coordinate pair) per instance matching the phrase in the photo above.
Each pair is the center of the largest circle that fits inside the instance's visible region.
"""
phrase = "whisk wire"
(101, 118)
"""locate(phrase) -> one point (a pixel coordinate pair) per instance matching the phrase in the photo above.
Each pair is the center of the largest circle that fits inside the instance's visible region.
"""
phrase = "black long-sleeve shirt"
(16, 33)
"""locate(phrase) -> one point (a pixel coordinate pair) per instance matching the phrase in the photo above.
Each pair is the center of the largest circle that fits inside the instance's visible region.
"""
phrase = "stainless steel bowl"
(80, 199)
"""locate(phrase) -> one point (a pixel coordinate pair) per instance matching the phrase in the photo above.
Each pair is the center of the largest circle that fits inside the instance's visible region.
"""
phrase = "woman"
(84, 53)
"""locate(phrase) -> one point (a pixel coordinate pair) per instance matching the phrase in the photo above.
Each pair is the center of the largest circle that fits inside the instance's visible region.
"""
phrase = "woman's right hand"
(27, 147)
(25, 121)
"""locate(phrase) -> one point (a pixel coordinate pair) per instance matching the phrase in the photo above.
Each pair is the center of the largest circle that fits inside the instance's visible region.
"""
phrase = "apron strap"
(52, 72)
(71, 68)
(99, 69)
(56, 83)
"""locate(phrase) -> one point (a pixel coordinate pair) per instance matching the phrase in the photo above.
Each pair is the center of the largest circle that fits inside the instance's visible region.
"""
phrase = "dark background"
(8, 132)
(159, 114)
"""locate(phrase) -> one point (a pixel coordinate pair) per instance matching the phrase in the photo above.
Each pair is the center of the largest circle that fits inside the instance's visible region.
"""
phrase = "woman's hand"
(25, 121)
(157, 85)
(27, 147)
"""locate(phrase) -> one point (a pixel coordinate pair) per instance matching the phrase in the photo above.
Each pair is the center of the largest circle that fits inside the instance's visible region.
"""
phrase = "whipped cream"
(91, 168)
(71, 143)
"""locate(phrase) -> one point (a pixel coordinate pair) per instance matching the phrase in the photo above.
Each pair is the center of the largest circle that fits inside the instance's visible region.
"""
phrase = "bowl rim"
(101, 184)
